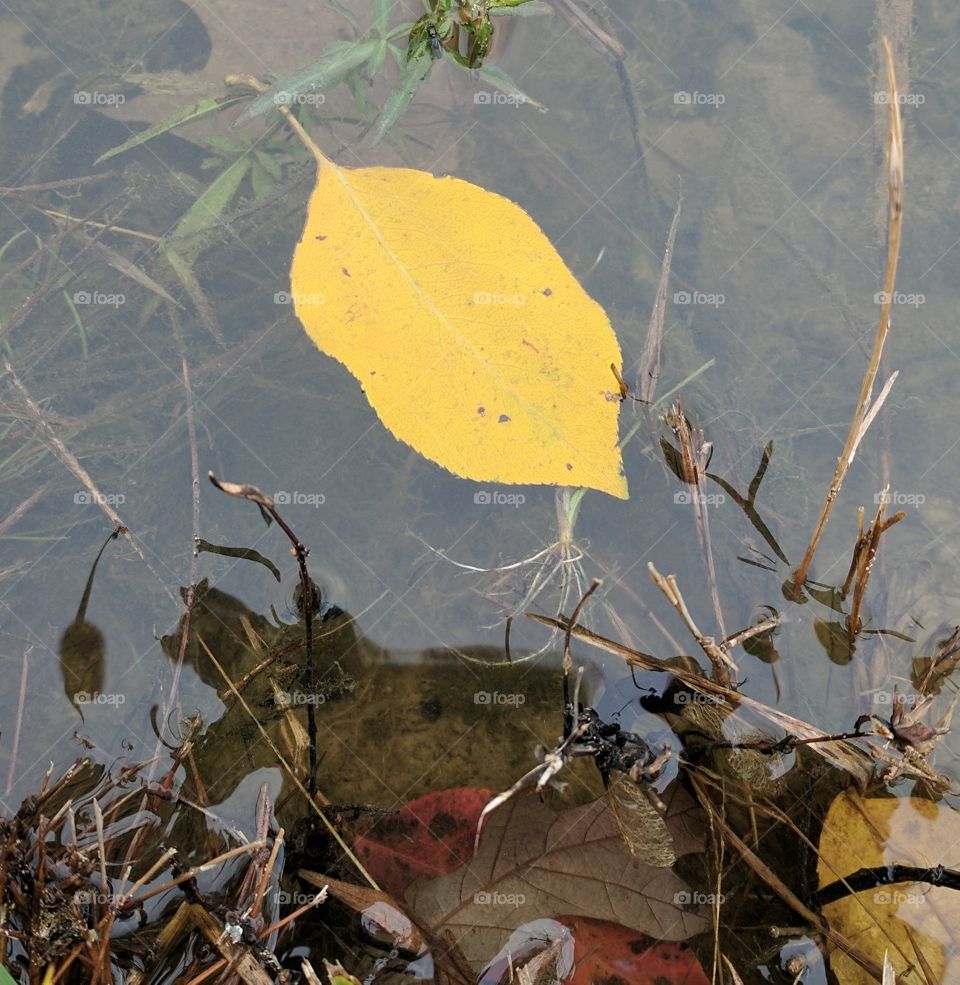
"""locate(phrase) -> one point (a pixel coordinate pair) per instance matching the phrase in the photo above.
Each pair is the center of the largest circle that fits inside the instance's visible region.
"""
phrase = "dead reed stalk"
(864, 414)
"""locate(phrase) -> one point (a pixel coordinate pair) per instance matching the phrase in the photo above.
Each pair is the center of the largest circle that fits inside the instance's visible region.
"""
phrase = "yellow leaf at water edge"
(863, 833)
(470, 337)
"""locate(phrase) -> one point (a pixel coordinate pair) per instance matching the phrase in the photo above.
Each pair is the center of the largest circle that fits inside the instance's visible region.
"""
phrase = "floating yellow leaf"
(859, 834)
(472, 340)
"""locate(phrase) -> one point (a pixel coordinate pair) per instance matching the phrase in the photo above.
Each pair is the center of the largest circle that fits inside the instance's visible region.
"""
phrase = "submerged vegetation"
(266, 794)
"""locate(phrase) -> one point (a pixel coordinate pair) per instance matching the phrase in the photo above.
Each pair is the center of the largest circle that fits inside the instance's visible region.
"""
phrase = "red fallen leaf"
(607, 952)
(434, 835)
(431, 836)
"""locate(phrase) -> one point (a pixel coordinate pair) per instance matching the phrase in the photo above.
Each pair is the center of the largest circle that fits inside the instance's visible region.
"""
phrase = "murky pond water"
(767, 119)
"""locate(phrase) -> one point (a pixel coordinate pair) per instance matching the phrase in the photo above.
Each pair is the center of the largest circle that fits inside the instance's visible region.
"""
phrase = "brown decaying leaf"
(534, 863)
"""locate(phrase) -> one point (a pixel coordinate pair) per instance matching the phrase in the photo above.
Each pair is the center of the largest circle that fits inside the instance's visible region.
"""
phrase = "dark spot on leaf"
(547, 292)
(481, 411)
(319, 236)
(569, 467)
(638, 945)
(503, 419)
(373, 372)
(344, 271)
(443, 824)
(431, 709)
(660, 980)
(615, 980)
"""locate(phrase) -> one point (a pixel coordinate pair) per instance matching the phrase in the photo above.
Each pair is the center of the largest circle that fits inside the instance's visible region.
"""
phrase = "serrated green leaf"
(208, 208)
(188, 114)
(339, 59)
(501, 81)
(412, 75)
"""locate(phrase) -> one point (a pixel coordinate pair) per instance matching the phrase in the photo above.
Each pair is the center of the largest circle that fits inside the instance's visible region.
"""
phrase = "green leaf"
(338, 61)
(5, 977)
(208, 208)
(398, 30)
(84, 348)
(359, 89)
(381, 16)
(411, 76)
(346, 15)
(270, 163)
(376, 63)
(230, 145)
(187, 115)
(500, 80)
(195, 292)
(261, 180)
(530, 8)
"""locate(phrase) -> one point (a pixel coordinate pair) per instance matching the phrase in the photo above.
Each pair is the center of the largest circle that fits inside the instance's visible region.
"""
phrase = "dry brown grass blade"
(693, 460)
(841, 754)
(723, 666)
(648, 372)
(290, 771)
(895, 177)
(67, 457)
(239, 957)
(864, 554)
(781, 888)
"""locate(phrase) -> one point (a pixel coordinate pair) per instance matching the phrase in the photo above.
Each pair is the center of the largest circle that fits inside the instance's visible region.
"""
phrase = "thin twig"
(895, 178)
(723, 666)
(267, 508)
(648, 371)
(24, 670)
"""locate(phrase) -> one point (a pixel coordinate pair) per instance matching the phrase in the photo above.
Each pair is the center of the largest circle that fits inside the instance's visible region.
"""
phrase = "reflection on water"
(764, 116)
